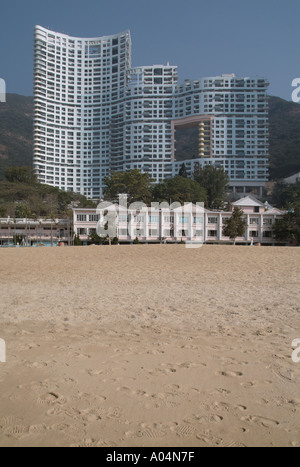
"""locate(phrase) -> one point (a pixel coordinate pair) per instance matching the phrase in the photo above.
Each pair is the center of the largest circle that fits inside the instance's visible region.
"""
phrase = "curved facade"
(94, 114)
(79, 91)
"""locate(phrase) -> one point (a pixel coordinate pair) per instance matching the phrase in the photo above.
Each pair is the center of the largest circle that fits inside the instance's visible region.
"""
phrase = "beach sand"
(150, 346)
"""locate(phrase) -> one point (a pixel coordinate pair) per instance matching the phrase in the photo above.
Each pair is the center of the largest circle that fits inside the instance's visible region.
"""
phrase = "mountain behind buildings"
(16, 136)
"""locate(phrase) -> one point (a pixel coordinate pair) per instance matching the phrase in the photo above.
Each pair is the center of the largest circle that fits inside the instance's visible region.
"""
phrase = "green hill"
(16, 129)
(19, 199)
(284, 138)
(16, 123)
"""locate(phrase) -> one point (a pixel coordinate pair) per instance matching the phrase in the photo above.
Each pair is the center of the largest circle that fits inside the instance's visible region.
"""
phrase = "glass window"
(154, 219)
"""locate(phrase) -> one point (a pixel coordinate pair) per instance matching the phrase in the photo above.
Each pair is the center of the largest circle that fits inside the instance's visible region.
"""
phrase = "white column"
(248, 228)
(220, 226)
(147, 214)
(261, 226)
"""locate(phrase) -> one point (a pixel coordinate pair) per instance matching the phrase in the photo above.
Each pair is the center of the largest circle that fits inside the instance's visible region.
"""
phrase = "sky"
(202, 37)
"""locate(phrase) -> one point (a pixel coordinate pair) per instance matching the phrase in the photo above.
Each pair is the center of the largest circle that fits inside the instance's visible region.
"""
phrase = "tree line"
(209, 185)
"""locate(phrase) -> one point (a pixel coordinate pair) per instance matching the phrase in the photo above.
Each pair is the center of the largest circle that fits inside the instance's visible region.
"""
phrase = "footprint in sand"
(16, 431)
(65, 428)
(261, 421)
(87, 443)
(95, 372)
(36, 429)
(114, 413)
(242, 408)
(151, 431)
(230, 374)
(184, 431)
(249, 384)
(106, 444)
(209, 440)
(295, 402)
(51, 398)
(11, 420)
(226, 407)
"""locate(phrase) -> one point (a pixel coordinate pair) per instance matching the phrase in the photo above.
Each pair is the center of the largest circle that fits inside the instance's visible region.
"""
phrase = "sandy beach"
(150, 346)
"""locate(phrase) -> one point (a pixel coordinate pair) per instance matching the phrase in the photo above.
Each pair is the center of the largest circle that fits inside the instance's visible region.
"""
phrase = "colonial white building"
(191, 223)
(95, 114)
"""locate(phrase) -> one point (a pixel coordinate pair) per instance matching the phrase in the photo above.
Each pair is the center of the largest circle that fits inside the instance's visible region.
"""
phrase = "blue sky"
(204, 38)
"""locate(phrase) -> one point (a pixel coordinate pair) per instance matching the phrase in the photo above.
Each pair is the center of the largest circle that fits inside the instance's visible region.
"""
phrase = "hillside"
(19, 199)
(284, 138)
(16, 122)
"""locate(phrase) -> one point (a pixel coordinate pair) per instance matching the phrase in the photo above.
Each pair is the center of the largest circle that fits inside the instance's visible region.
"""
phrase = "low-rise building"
(189, 223)
(293, 179)
(34, 232)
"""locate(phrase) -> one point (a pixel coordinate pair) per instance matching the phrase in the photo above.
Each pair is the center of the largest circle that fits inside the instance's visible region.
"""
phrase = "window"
(169, 233)
(153, 219)
(138, 232)
(123, 232)
(199, 233)
(153, 233)
(254, 234)
(81, 218)
(254, 221)
(212, 233)
(212, 220)
(268, 234)
(268, 221)
(139, 218)
(256, 209)
(93, 218)
(198, 220)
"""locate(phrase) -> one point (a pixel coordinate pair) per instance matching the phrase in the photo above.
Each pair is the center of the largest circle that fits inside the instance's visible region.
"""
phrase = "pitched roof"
(249, 201)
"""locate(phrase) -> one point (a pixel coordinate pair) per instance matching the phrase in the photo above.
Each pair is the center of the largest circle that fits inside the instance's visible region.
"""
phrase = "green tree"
(3, 211)
(135, 184)
(24, 175)
(96, 240)
(287, 228)
(284, 195)
(236, 225)
(183, 171)
(22, 211)
(215, 181)
(77, 241)
(179, 189)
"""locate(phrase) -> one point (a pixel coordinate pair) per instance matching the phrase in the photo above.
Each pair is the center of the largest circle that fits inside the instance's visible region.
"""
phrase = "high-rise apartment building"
(95, 114)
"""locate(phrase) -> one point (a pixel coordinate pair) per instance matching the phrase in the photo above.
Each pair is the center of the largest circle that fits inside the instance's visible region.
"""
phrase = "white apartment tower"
(80, 87)
(95, 114)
